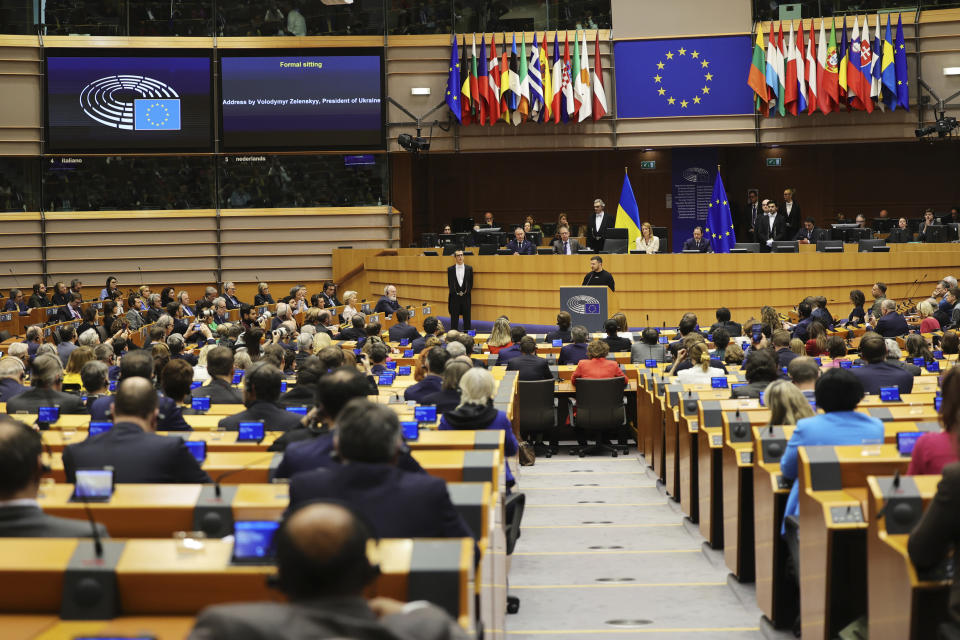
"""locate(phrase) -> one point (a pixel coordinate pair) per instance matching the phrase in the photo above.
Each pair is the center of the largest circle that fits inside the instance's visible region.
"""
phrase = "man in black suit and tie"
(261, 390)
(230, 296)
(131, 446)
(791, 212)
(401, 329)
(528, 364)
(47, 381)
(329, 295)
(598, 225)
(754, 211)
(220, 387)
(520, 246)
(21, 458)
(697, 242)
(460, 288)
(772, 227)
(565, 246)
(71, 310)
(809, 234)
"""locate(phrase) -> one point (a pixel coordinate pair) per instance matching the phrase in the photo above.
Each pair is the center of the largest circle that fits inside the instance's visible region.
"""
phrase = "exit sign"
(774, 162)
(648, 164)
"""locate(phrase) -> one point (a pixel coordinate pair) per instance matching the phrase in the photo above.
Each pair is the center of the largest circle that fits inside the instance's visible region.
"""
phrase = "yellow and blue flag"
(628, 213)
(888, 74)
(719, 228)
(156, 114)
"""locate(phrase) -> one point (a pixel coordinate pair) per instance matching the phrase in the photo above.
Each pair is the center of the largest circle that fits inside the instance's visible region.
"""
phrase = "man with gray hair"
(893, 357)
(89, 338)
(456, 349)
(12, 371)
(68, 342)
(230, 295)
(20, 350)
(891, 324)
(388, 303)
(396, 503)
(47, 380)
(93, 375)
(220, 314)
(944, 309)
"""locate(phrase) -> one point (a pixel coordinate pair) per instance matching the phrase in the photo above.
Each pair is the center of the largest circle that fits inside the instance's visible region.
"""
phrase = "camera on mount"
(413, 144)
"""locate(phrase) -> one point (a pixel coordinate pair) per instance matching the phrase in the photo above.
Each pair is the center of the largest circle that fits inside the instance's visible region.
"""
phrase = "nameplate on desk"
(849, 514)
(746, 457)
(716, 440)
(51, 311)
(6, 317)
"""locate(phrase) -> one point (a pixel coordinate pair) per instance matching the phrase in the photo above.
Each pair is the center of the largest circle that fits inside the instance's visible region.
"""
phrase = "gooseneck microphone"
(227, 474)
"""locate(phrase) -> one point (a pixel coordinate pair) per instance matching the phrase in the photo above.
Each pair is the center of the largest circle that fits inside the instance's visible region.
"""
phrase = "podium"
(588, 306)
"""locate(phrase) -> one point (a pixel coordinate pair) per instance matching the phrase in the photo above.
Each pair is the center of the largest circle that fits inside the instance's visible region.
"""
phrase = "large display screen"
(115, 102)
(319, 99)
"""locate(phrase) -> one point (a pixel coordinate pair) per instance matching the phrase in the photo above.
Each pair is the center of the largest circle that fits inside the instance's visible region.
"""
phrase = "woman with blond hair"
(646, 241)
(701, 372)
(78, 357)
(499, 335)
(786, 402)
(349, 298)
(928, 324)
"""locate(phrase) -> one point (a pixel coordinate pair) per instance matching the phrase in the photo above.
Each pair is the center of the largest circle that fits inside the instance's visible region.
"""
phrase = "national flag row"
(517, 87)
(797, 75)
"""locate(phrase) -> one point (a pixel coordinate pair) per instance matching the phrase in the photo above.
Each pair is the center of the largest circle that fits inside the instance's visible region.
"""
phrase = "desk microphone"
(15, 279)
(896, 485)
(648, 319)
(225, 474)
(97, 542)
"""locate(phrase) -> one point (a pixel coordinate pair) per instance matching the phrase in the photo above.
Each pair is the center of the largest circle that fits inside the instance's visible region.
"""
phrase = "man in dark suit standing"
(791, 212)
(598, 225)
(47, 381)
(396, 503)
(772, 227)
(754, 212)
(21, 458)
(565, 246)
(131, 447)
(577, 350)
(460, 286)
(528, 364)
(877, 372)
(401, 329)
(323, 570)
(520, 246)
(220, 387)
(261, 390)
(697, 242)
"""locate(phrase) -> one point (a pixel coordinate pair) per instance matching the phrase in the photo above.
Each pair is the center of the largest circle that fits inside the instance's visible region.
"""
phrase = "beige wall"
(634, 19)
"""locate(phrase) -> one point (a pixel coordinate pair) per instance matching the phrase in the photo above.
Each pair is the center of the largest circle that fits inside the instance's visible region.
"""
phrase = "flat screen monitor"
(746, 247)
(113, 101)
(830, 246)
(866, 246)
(302, 99)
(938, 233)
(785, 246)
(857, 234)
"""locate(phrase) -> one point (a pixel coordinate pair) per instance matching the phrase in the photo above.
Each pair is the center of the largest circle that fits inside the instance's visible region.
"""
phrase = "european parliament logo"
(584, 305)
(132, 102)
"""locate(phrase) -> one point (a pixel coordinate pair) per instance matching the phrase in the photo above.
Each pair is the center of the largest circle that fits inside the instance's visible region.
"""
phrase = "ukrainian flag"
(628, 213)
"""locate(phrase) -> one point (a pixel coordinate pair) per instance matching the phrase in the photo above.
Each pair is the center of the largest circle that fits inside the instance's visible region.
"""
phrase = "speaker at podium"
(588, 306)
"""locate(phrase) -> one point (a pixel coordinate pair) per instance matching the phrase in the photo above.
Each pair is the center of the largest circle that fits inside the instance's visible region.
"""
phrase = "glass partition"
(19, 184)
(773, 10)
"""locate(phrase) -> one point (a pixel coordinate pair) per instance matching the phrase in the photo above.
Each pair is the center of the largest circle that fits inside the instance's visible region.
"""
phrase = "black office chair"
(513, 508)
(664, 234)
(600, 407)
(537, 411)
(615, 241)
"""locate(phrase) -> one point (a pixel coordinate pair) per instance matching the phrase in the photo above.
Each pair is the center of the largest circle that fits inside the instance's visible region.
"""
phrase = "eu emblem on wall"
(682, 77)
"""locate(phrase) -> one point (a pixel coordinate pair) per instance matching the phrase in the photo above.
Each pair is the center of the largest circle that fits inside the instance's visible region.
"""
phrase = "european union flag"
(719, 228)
(683, 77)
(156, 115)
(591, 309)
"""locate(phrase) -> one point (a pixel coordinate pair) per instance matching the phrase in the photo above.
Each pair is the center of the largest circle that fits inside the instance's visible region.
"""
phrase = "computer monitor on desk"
(939, 233)
(785, 246)
(746, 247)
(873, 246)
(883, 225)
(857, 234)
(830, 246)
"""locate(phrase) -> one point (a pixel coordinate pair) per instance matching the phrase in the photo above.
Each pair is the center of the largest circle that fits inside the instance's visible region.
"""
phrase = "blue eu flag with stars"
(156, 114)
(719, 228)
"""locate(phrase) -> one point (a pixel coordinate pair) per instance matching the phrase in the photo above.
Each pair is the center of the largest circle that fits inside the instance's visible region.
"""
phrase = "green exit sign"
(774, 162)
(648, 164)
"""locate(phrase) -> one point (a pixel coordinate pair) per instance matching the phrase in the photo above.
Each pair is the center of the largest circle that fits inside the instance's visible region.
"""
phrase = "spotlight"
(413, 144)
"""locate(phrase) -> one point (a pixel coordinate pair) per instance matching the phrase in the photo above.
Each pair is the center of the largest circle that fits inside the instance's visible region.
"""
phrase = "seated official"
(697, 242)
(21, 459)
(877, 372)
(387, 304)
(760, 369)
(901, 233)
(563, 329)
(16, 303)
(334, 390)
(476, 411)
(436, 360)
(431, 327)
(724, 322)
(520, 246)
(261, 390)
(304, 393)
(838, 392)
(700, 370)
(323, 570)
(513, 351)
(136, 453)
(39, 297)
(808, 233)
(530, 367)
(220, 386)
(803, 373)
(263, 295)
(401, 329)
(47, 390)
(356, 330)
(894, 356)
(71, 310)
(396, 503)
(597, 276)
(805, 313)
(935, 450)
(140, 364)
(448, 398)
(613, 340)
(649, 348)
(577, 351)
(563, 245)
(890, 324)
(596, 365)
(646, 241)
(12, 373)
(780, 340)
(377, 352)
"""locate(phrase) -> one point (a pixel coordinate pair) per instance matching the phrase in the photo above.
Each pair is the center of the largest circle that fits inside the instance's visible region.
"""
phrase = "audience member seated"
(356, 330)
(68, 342)
(596, 364)
(401, 329)
(649, 348)
(61, 294)
(733, 329)
(499, 335)
(140, 364)
(304, 393)
(476, 411)
(563, 329)
(838, 392)
(12, 373)
(781, 345)
(220, 386)
(934, 451)
(21, 462)
(71, 373)
(261, 390)
(893, 357)
(175, 380)
(787, 402)
(263, 295)
(721, 340)
(506, 354)
(760, 369)
(448, 398)
(613, 340)
(16, 303)
(576, 351)
(877, 373)
(816, 344)
(323, 570)
(952, 298)
(431, 327)
(928, 323)
(804, 373)
(821, 313)
(700, 371)
(527, 363)
(800, 330)
(377, 352)
(917, 347)
(39, 297)
(432, 382)
(334, 390)
(136, 453)
(891, 324)
(46, 378)
(396, 503)
(387, 304)
(520, 246)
